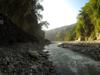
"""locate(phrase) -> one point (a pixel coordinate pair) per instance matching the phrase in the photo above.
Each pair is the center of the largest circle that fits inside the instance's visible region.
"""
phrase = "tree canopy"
(88, 23)
(24, 14)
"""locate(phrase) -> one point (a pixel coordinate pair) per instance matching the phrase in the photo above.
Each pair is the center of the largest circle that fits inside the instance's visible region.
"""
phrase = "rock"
(33, 53)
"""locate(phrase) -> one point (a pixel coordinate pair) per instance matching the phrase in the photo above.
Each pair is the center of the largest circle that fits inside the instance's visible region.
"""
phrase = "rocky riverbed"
(24, 59)
(91, 50)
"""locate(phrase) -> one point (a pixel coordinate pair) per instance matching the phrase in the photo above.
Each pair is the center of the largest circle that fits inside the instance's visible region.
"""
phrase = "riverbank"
(24, 59)
(91, 50)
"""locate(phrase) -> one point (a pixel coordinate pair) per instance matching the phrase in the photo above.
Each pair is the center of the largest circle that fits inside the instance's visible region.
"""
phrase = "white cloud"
(58, 13)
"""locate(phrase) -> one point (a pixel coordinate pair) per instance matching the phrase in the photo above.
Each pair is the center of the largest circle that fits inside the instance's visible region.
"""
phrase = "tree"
(25, 14)
(88, 24)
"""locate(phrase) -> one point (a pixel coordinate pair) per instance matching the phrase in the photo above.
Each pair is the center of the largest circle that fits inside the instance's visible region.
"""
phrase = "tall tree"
(88, 24)
(25, 14)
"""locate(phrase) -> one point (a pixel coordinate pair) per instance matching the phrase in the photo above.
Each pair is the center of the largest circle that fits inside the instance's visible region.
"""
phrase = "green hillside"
(58, 33)
(88, 23)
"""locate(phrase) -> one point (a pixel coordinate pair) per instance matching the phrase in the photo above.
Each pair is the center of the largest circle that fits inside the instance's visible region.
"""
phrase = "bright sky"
(61, 12)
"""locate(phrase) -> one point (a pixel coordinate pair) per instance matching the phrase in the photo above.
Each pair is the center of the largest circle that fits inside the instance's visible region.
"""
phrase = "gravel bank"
(91, 50)
(24, 59)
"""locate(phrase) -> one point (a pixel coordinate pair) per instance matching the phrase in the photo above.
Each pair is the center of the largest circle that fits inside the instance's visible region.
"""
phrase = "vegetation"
(87, 27)
(22, 40)
(70, 35)
(58, 33)
(67, 34)
(24, 14)
(88, 24)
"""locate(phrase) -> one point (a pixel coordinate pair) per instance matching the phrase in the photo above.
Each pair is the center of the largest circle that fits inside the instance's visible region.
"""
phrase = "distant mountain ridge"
(52, 34)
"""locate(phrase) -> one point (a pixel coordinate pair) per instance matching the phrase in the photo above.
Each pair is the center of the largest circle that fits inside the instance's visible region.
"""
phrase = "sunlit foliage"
(88, 23)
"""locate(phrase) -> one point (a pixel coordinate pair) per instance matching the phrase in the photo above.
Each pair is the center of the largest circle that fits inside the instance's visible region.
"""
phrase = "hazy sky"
(61, 12)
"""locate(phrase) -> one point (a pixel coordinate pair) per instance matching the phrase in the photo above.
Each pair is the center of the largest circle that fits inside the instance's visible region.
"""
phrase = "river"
(68, 62)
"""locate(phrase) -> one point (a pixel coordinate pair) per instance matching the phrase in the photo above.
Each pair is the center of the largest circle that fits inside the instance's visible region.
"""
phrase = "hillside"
(88, 23)
(87, 27)
(52, 34)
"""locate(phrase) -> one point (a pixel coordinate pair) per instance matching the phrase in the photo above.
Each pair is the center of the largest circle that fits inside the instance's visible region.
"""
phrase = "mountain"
(52, 34)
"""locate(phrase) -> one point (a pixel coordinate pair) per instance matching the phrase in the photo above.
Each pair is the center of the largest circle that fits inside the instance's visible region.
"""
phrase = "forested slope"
(58, 34)
(24, 14)
(87, 27)
(22, 40)
(88, 23)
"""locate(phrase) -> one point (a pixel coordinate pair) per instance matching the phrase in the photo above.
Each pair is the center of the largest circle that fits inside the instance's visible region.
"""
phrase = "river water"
(68, 62)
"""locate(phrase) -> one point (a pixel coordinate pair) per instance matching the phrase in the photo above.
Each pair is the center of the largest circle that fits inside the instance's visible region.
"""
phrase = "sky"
(61, 12)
